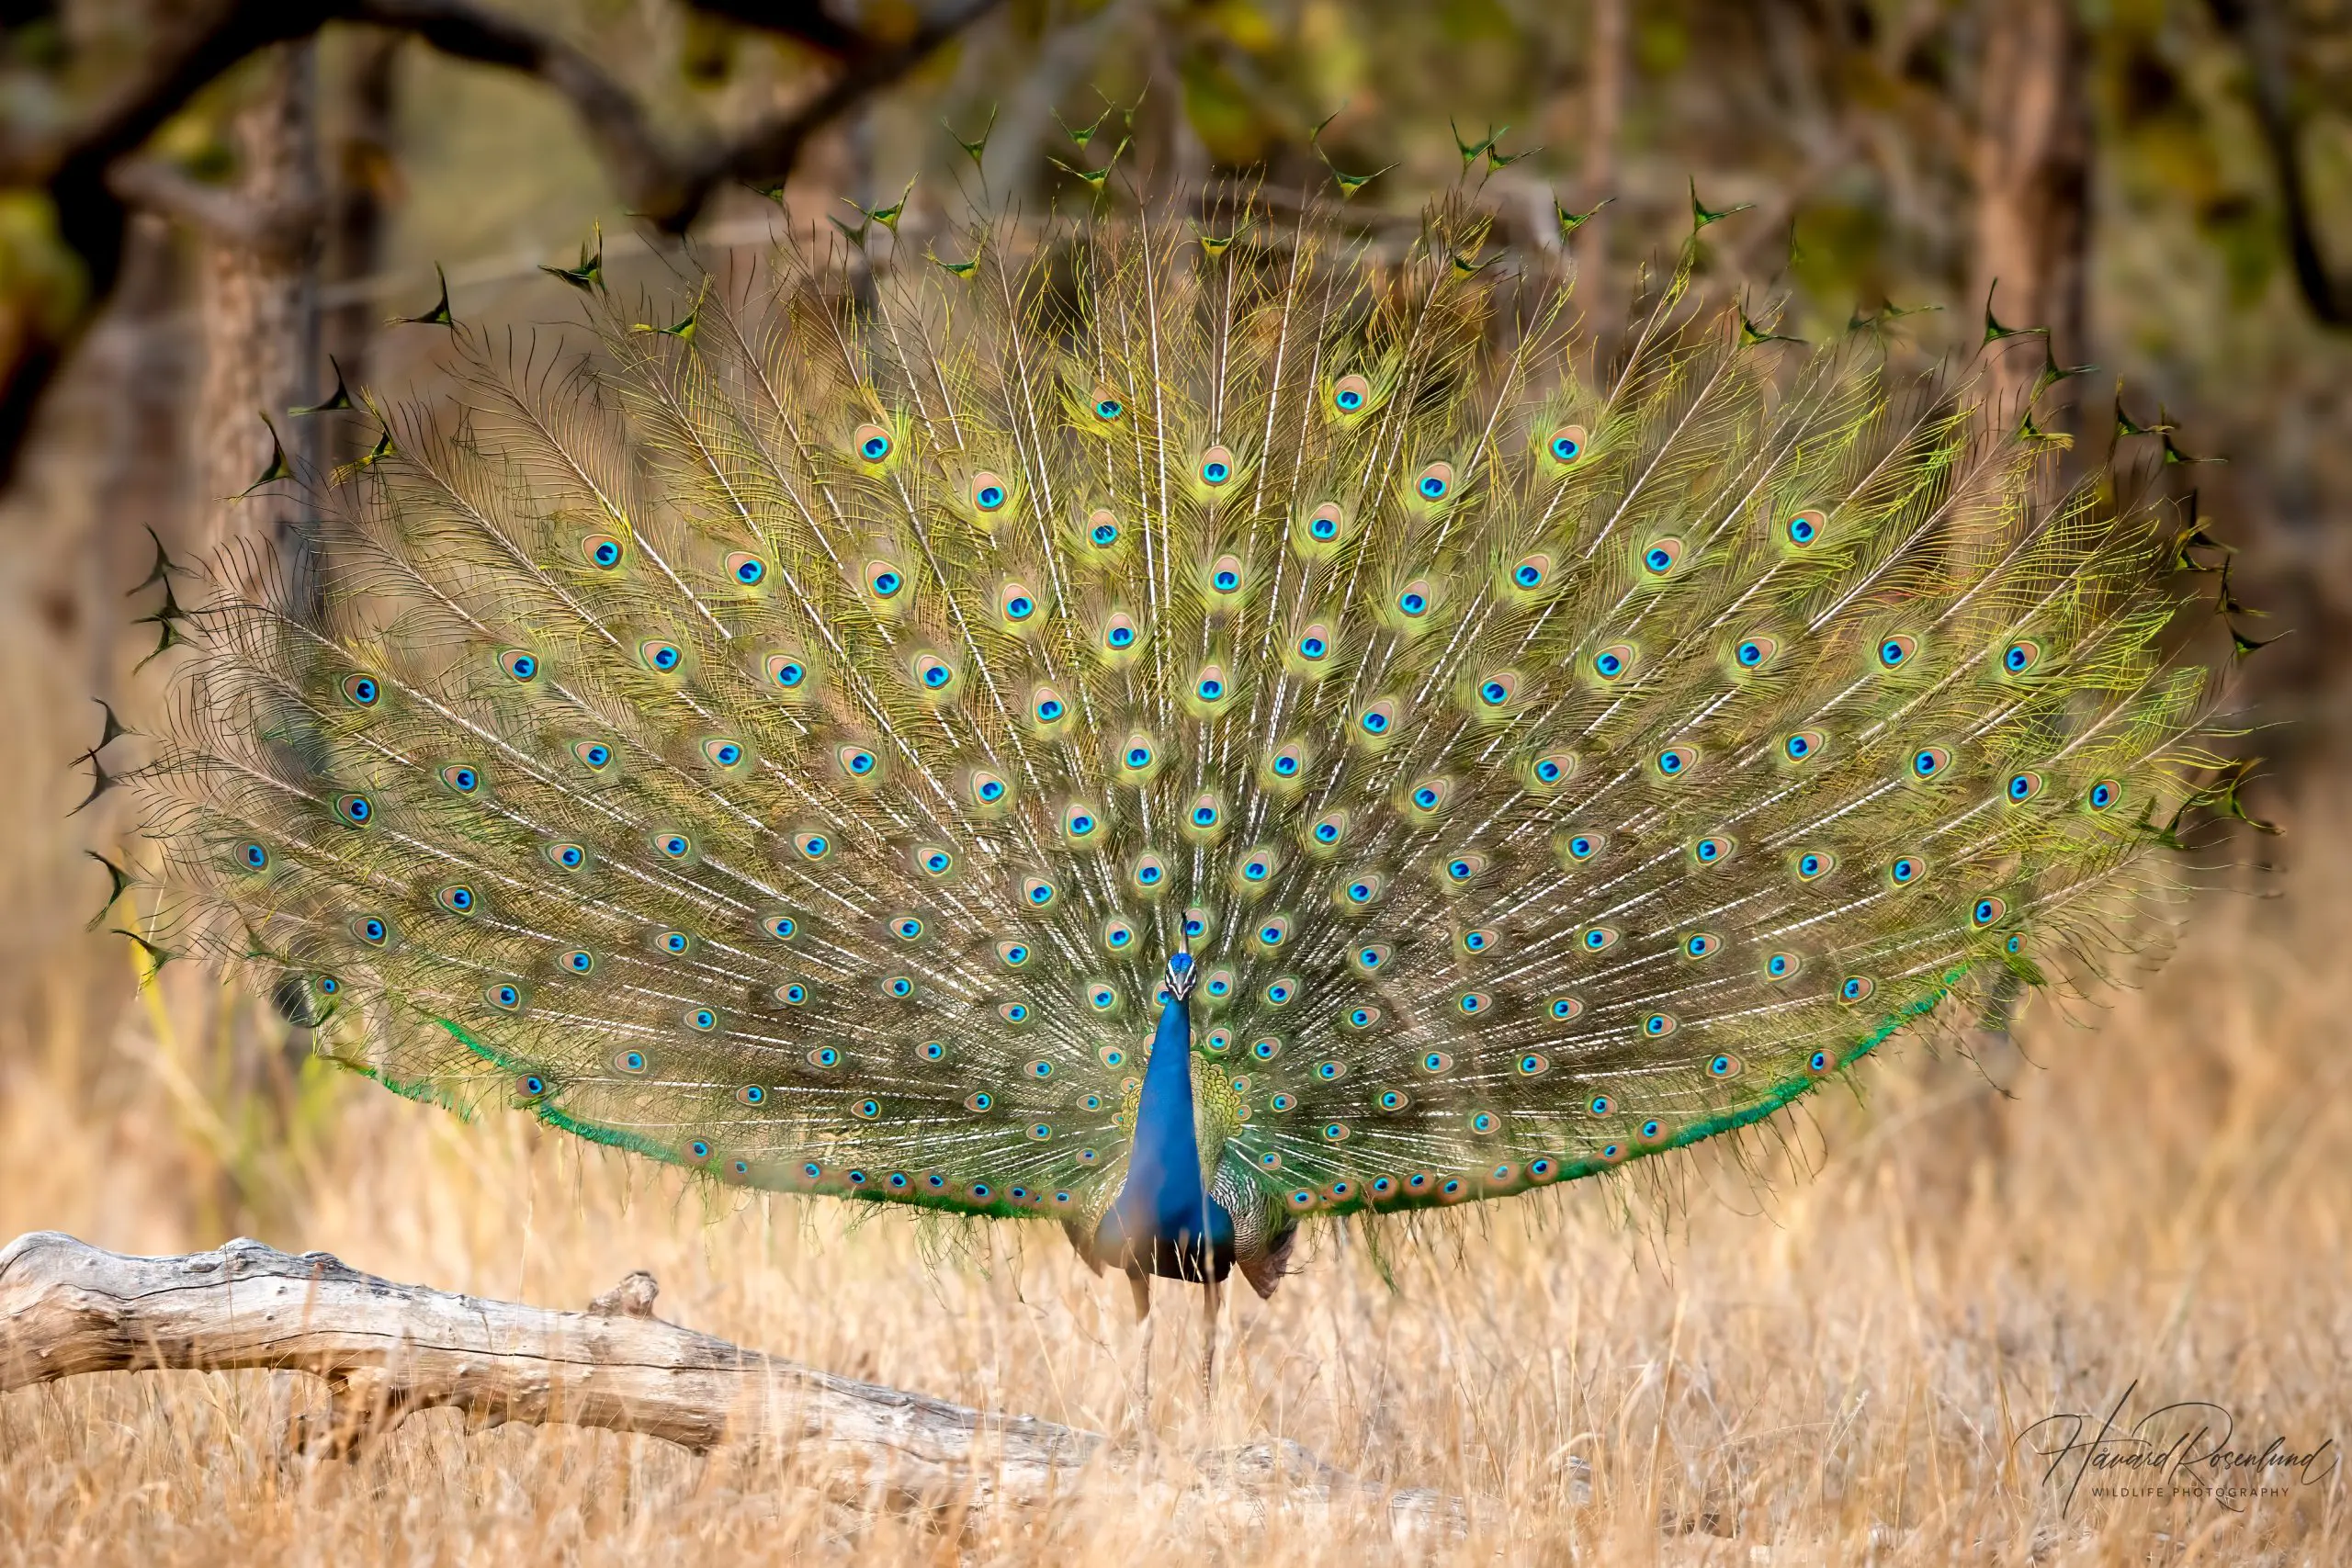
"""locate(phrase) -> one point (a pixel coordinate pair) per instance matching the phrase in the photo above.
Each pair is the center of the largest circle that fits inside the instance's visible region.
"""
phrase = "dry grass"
(1832, 1373)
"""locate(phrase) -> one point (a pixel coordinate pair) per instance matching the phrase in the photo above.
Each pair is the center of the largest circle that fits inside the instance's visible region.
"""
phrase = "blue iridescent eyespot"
(1855, 988)
(1705, 945)
(361, 690)
(571, 857)
(703, 1021)
(1780, 965)
(1819, 1062)
(988, 492)
(578, 961)
(1217, 466)
(1567, 444)
(1103, 529)
(1119, 634)
(1813, 864)
(1435, 481)
(1413, 602)
(872, 441)
(1895, 651)
(1755, 652)
(748, 569)
(328, 985)
(1564, 1009)
(1107, 409)
(786, 672)
(372, 930)
(519, 665)
(1600, 939)
(792, 994)
(1805, 527)
(1349, 393)
(934, 672)
(461, 778)
(1987, 911)
(664, 657)
(1674, 760)
(1312, 647)
(1662, 557)
(1612, 661)
(356, 810)
(2021, 656)
(253, 857)
(603, 550)
(1802, 745)
(532, 1086)
(885, 582)
(505, 997)
(2104, 794)
(2024, 786)
(1708, 851)
(674, 943)
(1227, 580)
(1906, 869)
(1928, 761)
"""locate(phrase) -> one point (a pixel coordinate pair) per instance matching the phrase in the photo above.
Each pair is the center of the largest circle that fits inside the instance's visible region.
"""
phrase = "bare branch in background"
(2260, 32)
(189, 43)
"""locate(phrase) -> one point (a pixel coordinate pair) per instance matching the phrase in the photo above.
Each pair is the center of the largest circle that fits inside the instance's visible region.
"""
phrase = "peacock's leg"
(1212, 1298)
(1141, 1284)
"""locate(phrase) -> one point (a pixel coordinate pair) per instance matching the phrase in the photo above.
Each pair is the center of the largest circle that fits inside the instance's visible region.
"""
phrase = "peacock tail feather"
(790, 741)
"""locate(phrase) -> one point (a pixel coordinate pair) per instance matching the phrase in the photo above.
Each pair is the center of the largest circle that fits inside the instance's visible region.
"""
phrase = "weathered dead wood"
(386, 1350)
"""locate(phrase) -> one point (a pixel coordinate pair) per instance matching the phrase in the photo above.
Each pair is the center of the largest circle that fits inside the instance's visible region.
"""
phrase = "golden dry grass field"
(1838, 1370)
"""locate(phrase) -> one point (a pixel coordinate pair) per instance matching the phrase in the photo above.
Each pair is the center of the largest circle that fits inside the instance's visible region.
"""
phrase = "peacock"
(1177, 724)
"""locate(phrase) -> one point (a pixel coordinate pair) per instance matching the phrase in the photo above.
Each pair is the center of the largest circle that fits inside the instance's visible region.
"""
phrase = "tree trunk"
(2031, 165)
(256, 292)
(1605, 106)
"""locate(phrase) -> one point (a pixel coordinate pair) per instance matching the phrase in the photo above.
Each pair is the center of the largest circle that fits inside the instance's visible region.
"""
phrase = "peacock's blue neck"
(1165, 1202)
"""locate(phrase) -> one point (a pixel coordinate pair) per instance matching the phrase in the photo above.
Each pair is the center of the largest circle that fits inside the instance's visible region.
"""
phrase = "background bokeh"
(2141, 1186)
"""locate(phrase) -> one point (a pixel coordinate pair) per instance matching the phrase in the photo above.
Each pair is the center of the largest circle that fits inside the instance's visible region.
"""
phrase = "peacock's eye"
(872, 441)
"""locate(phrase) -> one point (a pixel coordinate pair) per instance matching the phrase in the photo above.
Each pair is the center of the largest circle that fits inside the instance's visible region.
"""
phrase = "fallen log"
(386, 1350)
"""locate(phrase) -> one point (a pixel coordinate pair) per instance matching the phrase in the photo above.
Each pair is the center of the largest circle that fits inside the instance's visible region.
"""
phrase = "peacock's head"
(1180, 975)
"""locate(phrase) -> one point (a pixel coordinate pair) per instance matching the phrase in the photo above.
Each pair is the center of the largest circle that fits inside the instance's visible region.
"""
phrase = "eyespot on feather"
(1565, 445)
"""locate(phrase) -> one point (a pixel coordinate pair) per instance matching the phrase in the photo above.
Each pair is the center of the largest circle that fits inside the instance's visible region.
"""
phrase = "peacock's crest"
(793, 747)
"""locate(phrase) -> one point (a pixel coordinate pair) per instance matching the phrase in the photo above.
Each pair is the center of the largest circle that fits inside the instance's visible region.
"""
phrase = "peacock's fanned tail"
(788, 740)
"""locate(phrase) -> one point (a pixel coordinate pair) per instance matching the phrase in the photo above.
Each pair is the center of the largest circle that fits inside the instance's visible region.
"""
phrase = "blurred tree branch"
(2261, 33)
(71, 155)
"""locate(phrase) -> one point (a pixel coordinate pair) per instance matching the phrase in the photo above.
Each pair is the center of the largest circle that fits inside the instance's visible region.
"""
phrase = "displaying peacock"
(1174, 728)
